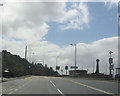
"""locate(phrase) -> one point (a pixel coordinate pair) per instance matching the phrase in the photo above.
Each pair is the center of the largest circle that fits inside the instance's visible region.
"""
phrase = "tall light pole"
(56, 62)
(33, 57)
(75, 54)
(26, 52)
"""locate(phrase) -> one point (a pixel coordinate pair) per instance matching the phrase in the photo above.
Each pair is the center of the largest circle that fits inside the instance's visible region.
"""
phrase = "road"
(58, 85)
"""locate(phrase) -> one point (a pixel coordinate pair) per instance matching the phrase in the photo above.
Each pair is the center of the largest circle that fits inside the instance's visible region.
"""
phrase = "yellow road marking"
(10, 93)
(10, 89)
(15, 89)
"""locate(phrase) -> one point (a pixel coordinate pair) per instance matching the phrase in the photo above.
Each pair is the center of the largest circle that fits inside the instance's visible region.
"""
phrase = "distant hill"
(15, 66)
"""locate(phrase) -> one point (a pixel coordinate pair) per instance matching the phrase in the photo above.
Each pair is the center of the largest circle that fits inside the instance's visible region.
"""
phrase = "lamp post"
(33, 57)
(75, 54)
(56, 62)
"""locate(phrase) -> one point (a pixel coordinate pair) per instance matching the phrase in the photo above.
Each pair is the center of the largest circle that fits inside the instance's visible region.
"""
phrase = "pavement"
(15, 78)
(60, 86)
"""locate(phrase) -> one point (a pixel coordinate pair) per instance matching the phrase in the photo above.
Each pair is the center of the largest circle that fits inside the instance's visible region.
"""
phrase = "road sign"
(66, 67)
(57, 67)
(110, 60)
(73, 67)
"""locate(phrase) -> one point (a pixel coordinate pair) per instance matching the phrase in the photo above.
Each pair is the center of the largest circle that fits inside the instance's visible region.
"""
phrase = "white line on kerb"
(60, 92)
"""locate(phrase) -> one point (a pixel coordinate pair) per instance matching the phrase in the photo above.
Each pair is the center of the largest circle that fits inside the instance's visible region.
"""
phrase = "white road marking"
(60, 92)
(106, 92)
(52, 83)
(57, 89)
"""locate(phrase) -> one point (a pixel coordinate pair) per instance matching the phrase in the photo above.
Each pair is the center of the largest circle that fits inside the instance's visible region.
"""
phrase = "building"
(78, 73)
(117, 76)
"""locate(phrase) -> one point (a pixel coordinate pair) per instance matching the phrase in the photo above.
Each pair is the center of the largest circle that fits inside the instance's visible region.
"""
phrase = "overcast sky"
(48, 29)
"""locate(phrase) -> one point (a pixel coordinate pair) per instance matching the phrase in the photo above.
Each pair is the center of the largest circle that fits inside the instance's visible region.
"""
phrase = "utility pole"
(56, 62)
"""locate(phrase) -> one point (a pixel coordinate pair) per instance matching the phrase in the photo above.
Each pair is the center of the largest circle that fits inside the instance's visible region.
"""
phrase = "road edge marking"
(102, 91)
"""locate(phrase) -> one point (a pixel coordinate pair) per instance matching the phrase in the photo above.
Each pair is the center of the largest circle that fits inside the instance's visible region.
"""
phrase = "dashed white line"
(57, 89)
(52, 83)
(60, 92)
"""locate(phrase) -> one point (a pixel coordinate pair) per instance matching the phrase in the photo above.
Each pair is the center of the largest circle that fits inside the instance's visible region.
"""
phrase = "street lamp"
(75, 54)
(33, 60)
(56, 62)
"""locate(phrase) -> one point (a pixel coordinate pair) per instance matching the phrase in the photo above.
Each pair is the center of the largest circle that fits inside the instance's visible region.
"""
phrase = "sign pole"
(110, 61)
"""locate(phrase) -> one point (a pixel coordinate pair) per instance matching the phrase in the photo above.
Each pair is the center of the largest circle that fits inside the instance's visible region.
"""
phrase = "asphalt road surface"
(59, 85)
